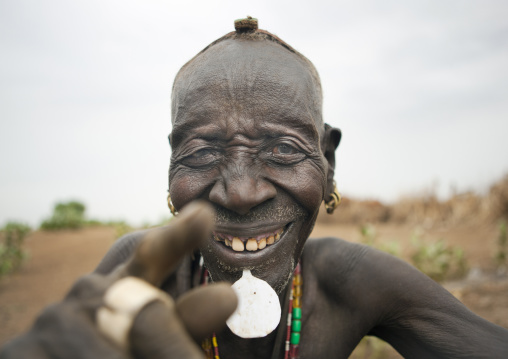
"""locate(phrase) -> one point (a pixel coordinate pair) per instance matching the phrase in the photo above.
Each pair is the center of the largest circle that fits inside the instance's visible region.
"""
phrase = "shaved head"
(244, 61)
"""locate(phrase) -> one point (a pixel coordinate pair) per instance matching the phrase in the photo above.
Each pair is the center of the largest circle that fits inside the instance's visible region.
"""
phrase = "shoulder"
(327, 256)
(376, 284)
(353, 262)
(120, 251)
(391, 299)
(362, 277)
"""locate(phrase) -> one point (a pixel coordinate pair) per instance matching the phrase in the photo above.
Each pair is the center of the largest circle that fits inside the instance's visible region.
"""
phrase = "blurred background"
(418, 88)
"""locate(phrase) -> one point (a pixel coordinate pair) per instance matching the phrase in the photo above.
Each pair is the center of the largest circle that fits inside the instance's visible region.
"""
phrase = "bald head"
(247, 72)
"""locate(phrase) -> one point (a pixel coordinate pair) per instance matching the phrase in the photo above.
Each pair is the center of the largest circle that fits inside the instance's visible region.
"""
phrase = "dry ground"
(56, 259)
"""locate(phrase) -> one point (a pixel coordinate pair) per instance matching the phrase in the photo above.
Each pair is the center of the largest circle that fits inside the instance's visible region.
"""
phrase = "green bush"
(11, 252)
(438, 260)
(121, 228)
(369, 237)
(66, 215)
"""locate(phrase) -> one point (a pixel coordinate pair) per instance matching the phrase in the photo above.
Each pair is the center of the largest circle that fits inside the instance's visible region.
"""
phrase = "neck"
(232, 346)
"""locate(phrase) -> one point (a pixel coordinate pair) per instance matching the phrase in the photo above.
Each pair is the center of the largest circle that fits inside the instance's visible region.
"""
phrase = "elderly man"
(249, 141)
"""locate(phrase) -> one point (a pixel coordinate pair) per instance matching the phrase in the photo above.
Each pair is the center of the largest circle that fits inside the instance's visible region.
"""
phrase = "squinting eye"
(202, 153)
(202, 157)
(284, 149)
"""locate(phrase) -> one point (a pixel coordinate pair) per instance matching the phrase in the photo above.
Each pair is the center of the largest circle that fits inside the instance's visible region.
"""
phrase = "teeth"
(252, 245)
(238, 245)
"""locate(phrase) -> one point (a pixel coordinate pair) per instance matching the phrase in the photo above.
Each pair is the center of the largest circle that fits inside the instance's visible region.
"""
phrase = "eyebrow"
(187, 130)
(183, 131)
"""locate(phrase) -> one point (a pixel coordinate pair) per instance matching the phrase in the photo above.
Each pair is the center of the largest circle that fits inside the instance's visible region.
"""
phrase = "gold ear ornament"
(172, 208)
(335, 200)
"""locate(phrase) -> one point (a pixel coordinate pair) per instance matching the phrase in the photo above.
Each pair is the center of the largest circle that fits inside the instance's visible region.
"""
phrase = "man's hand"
(161, 329)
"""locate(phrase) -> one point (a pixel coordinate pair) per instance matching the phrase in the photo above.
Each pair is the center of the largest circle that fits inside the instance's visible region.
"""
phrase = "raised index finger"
(161, 250)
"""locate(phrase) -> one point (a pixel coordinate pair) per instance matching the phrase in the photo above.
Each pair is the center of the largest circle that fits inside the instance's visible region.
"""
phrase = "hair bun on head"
(246, 25)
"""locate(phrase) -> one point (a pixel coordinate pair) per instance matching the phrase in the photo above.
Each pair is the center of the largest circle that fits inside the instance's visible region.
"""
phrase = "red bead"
(293, 352)
(298, 269)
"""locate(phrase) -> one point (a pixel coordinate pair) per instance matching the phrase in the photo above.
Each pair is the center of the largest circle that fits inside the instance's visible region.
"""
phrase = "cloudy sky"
(419, 89)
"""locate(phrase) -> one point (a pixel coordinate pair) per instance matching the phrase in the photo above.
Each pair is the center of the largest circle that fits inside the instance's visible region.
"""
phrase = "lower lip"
(229, 253)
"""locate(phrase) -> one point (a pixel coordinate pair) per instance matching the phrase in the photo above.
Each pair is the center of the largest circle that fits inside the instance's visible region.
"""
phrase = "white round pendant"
(258, 311)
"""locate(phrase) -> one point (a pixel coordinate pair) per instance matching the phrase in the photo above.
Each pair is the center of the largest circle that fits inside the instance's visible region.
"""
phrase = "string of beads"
(210, 346)
(294, 323)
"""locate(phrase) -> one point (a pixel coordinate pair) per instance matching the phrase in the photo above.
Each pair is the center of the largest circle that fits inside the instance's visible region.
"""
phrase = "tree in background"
(66, 215)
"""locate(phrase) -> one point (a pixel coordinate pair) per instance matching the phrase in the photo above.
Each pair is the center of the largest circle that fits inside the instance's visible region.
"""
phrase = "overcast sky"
(419, 89)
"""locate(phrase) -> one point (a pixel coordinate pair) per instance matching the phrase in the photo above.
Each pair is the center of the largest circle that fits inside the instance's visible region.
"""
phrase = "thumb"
(158, 333)
(205, 310)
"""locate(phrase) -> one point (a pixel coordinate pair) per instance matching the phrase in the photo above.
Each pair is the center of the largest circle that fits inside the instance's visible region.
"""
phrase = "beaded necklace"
(294, 323)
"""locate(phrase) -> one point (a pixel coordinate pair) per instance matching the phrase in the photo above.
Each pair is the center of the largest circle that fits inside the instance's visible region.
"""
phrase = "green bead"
(296, 326)
(297, 313)
(295, 338)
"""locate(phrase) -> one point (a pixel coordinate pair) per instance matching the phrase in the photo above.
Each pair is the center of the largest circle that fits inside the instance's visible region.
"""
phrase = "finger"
(89, 289)
(162, 249)
(205, 310)
(158, 333)
(64, 330)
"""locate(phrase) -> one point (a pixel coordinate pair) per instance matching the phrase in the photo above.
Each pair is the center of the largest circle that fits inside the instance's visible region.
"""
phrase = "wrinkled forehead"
(256, 76)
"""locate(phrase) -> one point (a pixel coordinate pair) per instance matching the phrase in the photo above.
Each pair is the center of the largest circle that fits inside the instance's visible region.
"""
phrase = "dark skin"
(250, 146)
(248, 138)
(237, 159)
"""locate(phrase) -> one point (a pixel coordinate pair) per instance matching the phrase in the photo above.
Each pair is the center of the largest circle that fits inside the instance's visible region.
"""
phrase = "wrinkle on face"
(232, 128)
(234, 70)
(242, 99)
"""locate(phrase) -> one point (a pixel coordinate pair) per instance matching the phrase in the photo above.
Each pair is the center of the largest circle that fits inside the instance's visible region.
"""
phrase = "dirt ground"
(56, 259)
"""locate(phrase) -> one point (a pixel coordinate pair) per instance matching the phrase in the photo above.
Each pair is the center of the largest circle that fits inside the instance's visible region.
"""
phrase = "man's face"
(245, 139)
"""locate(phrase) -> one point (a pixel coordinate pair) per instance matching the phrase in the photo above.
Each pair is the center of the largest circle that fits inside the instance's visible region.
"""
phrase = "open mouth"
(251, 244)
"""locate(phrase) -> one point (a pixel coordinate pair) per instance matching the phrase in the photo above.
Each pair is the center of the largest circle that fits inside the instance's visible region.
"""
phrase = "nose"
(242, 192)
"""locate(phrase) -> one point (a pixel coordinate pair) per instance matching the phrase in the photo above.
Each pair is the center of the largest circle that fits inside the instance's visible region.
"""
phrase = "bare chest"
(328, 331)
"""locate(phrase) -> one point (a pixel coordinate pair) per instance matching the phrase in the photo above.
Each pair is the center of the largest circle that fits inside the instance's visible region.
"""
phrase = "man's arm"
(122, 314)
(420, 318)
(120, 252)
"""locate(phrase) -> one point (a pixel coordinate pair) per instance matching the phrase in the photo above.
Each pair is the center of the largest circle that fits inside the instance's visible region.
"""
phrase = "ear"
(330, 143)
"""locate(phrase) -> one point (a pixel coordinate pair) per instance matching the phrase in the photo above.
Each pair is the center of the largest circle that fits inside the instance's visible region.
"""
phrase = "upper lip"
(249, 229)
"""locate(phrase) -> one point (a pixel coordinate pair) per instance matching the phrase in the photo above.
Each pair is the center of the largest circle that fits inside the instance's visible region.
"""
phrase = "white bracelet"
(122, 303)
